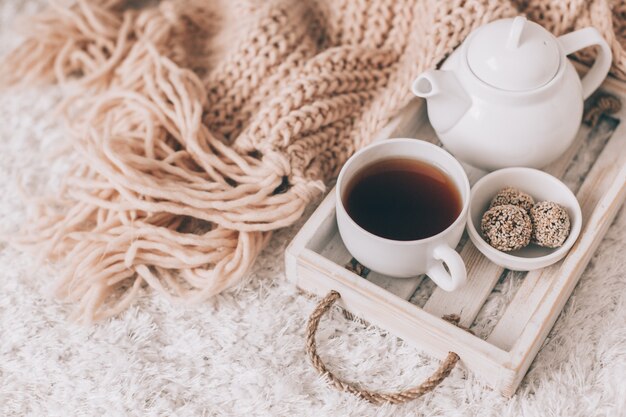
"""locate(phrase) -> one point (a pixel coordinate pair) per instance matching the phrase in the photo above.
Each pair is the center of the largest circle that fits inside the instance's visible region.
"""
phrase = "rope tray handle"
(372, 396)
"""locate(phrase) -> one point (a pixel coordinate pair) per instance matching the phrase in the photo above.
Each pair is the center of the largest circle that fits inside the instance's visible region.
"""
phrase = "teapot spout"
(447, 100)
(428, 84)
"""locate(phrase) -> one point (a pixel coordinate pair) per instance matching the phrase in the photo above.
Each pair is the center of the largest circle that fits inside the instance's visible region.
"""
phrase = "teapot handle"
(583, 38)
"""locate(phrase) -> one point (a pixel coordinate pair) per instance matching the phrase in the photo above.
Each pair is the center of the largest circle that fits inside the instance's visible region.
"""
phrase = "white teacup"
(400, 258)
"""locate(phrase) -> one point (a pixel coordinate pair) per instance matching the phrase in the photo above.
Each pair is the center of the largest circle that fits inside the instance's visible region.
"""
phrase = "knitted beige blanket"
(204, 125)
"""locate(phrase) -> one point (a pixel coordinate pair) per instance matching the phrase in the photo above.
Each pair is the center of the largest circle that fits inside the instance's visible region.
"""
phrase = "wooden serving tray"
(594, 168)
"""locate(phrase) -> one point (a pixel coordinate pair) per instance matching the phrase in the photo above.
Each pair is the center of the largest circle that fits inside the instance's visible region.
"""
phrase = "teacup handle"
(447, 281)
(583, 38)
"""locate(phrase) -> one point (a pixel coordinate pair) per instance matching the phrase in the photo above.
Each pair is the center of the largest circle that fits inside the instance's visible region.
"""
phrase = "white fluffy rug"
(243, 353)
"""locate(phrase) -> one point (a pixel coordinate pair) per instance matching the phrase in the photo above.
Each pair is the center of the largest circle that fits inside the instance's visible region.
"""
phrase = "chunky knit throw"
(204, 125)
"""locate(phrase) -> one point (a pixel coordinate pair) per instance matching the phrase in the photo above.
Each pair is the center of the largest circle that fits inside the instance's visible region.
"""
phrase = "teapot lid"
(513, 54)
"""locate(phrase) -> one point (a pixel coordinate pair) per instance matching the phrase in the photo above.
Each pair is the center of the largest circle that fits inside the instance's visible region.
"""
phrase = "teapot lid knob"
(513, 54)
(516, 32)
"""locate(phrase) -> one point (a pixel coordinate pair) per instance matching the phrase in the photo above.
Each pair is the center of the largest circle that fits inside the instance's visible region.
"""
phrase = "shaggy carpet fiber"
(242, 354)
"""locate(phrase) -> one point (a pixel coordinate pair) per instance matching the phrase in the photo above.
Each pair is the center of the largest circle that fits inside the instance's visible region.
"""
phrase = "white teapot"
(508, 96)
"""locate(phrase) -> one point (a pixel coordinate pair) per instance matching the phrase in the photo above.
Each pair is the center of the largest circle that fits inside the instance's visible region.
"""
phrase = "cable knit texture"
(201, 126)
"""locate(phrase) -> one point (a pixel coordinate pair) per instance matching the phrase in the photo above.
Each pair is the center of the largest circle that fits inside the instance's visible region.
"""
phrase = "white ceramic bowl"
(542, 187)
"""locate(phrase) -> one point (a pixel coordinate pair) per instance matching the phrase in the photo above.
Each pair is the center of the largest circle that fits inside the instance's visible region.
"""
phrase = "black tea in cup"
(402, 199)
